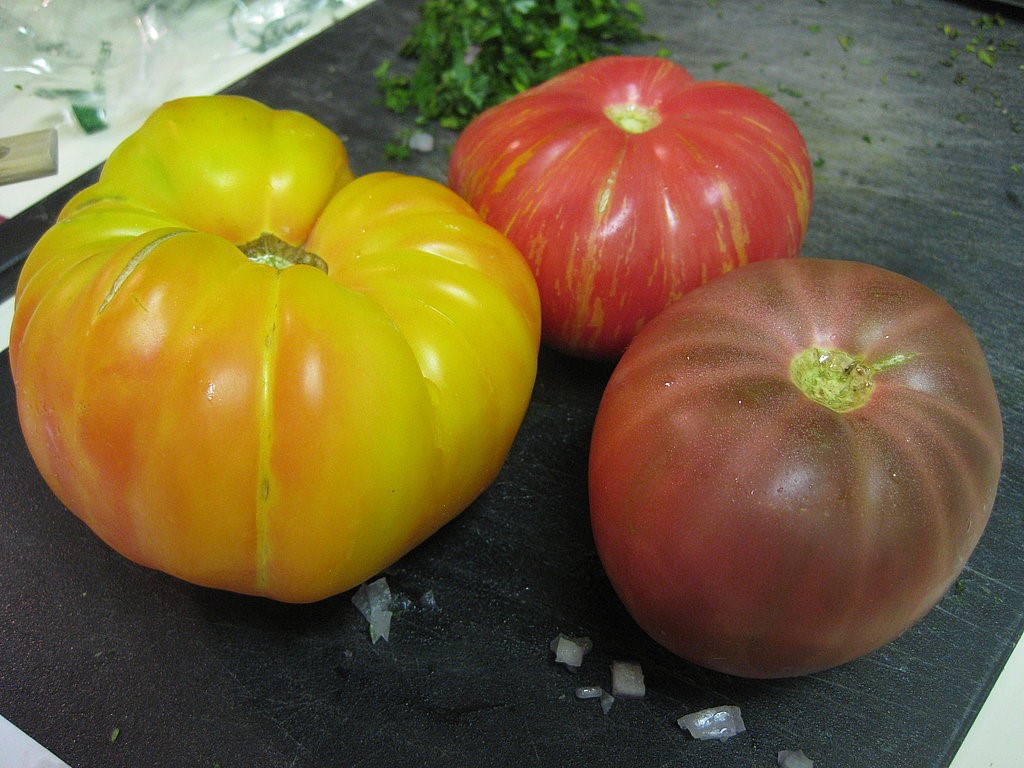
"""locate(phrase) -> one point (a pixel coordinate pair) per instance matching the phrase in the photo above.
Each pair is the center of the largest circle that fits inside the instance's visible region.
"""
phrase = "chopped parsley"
(472, 54)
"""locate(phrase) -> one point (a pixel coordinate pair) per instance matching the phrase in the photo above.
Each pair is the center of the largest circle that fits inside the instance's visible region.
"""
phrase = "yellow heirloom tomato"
(240, 365)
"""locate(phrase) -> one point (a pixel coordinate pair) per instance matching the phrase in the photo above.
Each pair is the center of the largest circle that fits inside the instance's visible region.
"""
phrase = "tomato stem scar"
(632, 117)
(271, 250)
(837, 379)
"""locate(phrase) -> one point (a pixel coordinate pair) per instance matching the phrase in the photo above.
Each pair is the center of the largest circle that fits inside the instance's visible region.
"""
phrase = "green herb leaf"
(987, 57)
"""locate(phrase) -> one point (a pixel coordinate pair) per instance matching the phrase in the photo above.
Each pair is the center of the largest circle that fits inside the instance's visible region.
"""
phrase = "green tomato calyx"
(837, 379)
(273, 251)
(632, 117)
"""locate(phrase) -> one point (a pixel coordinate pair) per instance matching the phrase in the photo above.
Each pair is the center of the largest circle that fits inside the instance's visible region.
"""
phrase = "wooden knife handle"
(28, 156)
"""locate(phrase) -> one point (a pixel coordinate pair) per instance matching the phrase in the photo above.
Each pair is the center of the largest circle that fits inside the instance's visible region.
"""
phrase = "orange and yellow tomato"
(239, 364)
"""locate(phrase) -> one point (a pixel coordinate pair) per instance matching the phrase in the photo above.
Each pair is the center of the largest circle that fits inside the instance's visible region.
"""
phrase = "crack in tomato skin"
(265, 484)
(132, 265)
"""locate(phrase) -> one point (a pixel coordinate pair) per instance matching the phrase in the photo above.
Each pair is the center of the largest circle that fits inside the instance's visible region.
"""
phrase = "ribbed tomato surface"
(791, 465)
(627, 183)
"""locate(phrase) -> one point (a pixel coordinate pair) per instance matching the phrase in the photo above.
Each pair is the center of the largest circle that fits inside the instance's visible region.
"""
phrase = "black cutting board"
(915, 170)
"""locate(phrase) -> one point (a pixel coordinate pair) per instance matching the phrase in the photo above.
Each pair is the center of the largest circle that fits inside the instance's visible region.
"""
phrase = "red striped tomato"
(626, 183)
(791, 465)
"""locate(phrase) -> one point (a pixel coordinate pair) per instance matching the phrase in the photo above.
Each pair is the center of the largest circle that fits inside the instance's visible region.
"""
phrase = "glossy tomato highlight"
(627, 183)
(241, 366)
(792, 464)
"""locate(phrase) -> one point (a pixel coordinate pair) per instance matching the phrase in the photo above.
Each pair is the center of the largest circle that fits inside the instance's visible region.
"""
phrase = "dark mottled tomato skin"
(755, 531)
(626, 183)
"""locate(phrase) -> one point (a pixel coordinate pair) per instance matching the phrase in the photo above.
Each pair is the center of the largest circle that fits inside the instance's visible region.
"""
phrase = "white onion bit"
(606, 702)
(420, 141)
(587, 692)
(571, 650)
(794, 759)
(715, 723)
(628, 680)
(373, 600)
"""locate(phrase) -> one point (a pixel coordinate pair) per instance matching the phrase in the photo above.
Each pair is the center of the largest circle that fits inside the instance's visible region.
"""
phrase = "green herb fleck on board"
(987, 57)
(845, 42)
(398, 148)
(988, 21)
(115, 735)
(983, 45)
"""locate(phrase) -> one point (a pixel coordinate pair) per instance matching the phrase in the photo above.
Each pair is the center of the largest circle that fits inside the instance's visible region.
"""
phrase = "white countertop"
(994, 741)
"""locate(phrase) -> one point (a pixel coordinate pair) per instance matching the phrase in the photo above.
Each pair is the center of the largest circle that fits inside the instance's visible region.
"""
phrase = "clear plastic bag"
(261, 25)
(104, 61)
(109, 62)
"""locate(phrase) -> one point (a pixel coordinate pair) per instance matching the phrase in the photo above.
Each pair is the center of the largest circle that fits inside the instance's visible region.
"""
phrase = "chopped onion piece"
(794, 759)
(715, 723)
(472, 51)
(606, 702)
(374, 601)
(571, 650)
(628, 680)
(420, 141)
(585, 692)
